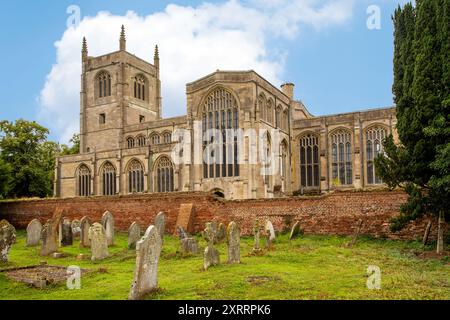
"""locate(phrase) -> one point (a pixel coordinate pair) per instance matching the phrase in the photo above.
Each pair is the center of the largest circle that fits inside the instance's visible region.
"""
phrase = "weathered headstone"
(182, 233)
(234, 243)
(148, 250)
(256, 234)
(108, 224)
(221, 233)
(134, 235)
(189, 245)
(211, 256)
(34, 231)
(50, 237)
(67, 235)
(76, 228)
(269, 233)
(295, 230)
(85, 224)
(7, 238)
(99, 242)
(160, 224)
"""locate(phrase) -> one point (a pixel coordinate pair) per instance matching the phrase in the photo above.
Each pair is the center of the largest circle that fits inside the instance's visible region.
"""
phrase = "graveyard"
(216, 266)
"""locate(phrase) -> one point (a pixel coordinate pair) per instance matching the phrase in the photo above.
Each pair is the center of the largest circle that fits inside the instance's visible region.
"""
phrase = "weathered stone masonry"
(333, 214)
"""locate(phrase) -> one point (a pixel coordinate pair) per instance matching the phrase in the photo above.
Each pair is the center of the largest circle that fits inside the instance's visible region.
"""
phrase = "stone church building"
(127, 147)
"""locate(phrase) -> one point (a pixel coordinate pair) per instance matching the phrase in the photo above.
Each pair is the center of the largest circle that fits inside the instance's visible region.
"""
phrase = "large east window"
(220, 121)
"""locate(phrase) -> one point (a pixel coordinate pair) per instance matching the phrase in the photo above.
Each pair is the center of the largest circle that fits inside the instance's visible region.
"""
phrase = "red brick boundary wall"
(334, 214)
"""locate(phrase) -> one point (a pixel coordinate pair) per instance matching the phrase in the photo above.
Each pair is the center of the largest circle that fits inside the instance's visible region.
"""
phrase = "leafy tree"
(74, 149)
(22, 147)
(5, 178)
(421, 163)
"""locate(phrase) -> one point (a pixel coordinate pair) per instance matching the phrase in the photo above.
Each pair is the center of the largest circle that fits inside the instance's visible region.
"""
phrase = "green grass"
(312, 267)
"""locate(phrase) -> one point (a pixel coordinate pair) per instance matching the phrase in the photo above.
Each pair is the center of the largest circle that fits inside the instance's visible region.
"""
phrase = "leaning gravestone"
(67, 235)
(295, 230)
(76, 228)
(108, 224)
(211, 256)
(50, 237)
(99, 242)
(160, 224)
(34, 231)
(182, 233)
(134, 235)
(189, 246)
(148, 250)
(269, 233)
(221, 233)
(85, 224)
(234, 243)
(7, 238)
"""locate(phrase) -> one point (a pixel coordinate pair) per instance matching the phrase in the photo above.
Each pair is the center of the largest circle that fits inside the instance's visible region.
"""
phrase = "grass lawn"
(311, 267)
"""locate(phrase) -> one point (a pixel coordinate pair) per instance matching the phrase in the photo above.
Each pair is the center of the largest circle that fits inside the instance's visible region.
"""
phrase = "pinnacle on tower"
(84, 50)
(123, 40)
(156, 57)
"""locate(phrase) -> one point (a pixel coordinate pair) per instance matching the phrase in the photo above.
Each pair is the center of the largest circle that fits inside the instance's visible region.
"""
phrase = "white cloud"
(193, 42)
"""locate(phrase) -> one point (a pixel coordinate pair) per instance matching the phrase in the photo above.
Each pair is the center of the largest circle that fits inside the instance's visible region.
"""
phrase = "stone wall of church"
(334, 214)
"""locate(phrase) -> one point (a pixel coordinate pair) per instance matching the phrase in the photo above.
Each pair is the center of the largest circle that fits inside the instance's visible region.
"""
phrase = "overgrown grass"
(312, 267)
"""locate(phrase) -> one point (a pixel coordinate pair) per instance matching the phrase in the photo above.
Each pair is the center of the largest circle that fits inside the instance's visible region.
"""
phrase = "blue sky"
(340, 67)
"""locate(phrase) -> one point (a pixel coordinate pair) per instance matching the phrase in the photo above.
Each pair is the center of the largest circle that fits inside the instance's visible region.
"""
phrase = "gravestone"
(234, 243)
(269, 233)
(108, 224)
(182, 233)
(7, 239)
(295, 232)
(160, 224)
(189, 245)
(85, 224)
(211, 255)
(50, 237)
(34, 231)
(256, 233)
(148, 250)
(134, 235)
(76, 228)
(99, 242)
(67, 235)
(221, 233)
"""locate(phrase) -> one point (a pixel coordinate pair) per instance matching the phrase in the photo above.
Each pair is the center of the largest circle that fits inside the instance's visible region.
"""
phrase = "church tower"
(117, 90)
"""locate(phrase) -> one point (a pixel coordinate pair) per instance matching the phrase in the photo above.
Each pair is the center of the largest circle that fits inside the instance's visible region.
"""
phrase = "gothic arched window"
(135, 175)
(284, 163)
(167, 137)
(130, 143)
(165, 175)
(140, 87)
(270, 111)
(83, 181)
(262, 107)
(285, 121)
(103, 84)
(109, 179)
(309, 161)
(278, 115)
(342, 162)
(374, 146)
(155, 139)
(267, 161)
(220, 112)
(141, 141)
